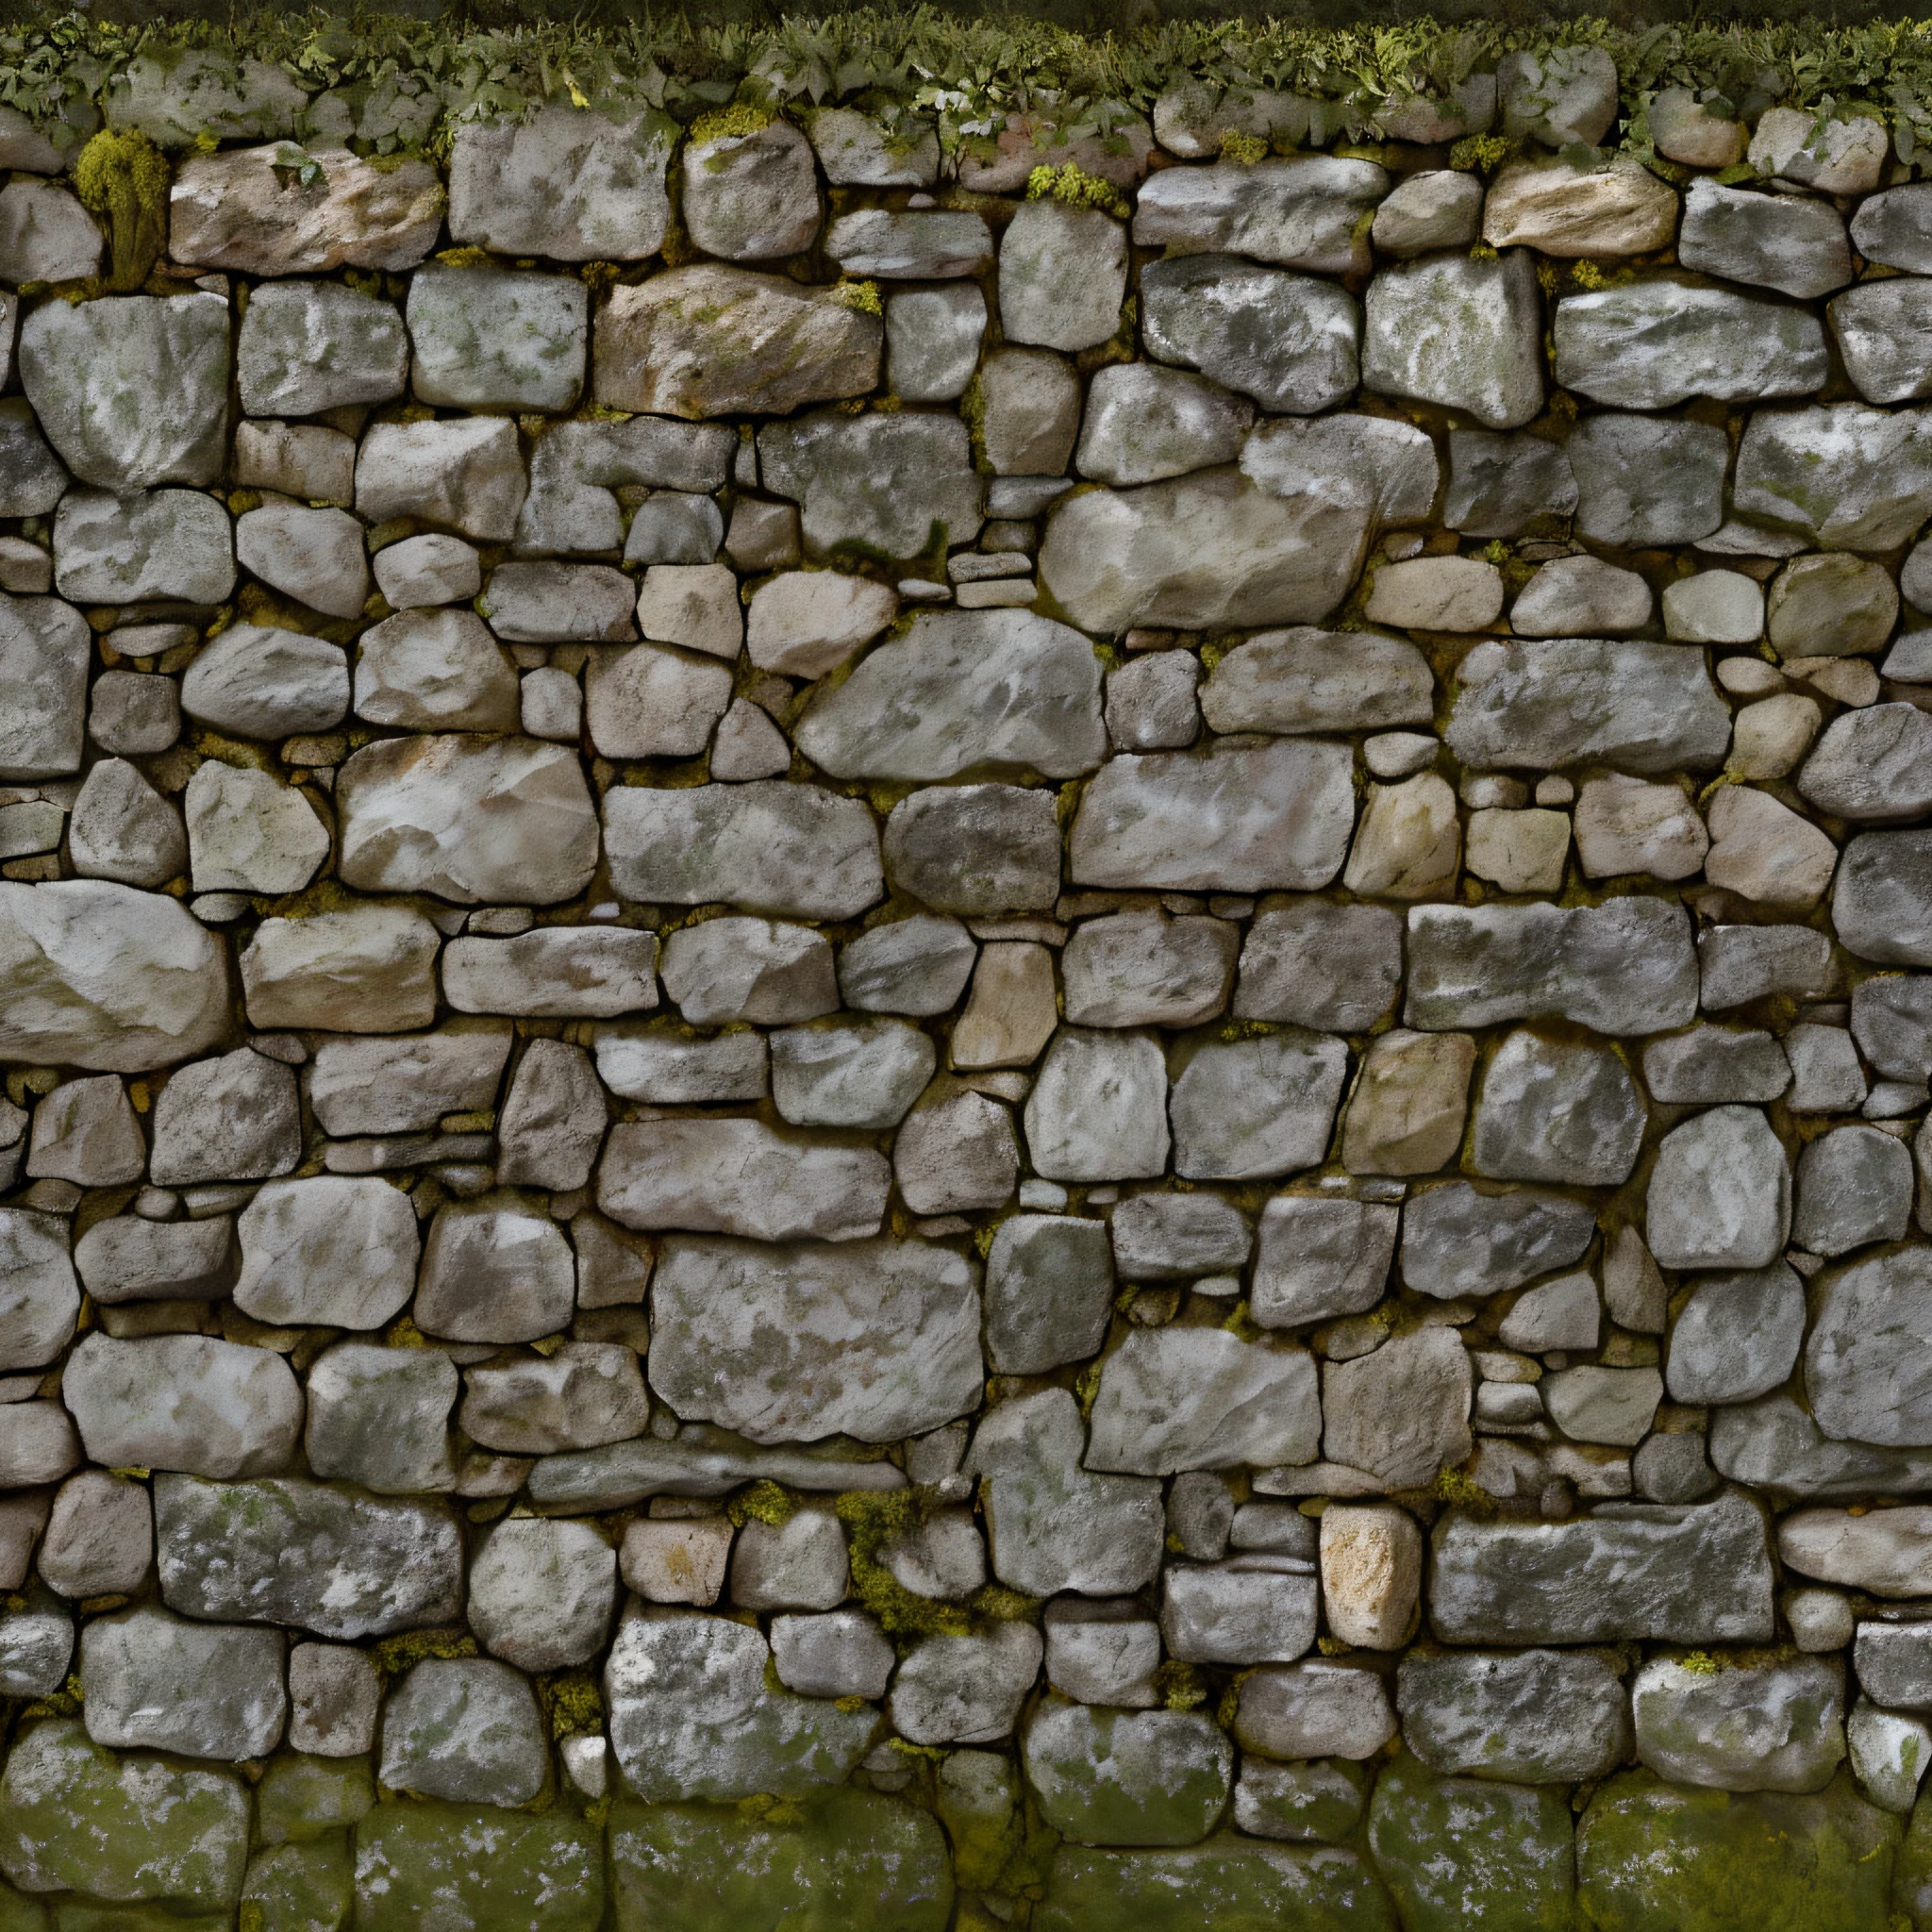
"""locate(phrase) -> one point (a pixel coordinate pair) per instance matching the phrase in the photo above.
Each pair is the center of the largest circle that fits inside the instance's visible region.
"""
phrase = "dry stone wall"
(921, 1044)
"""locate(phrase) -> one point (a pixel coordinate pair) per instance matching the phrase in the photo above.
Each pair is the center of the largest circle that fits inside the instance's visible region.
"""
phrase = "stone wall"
(900, 1042)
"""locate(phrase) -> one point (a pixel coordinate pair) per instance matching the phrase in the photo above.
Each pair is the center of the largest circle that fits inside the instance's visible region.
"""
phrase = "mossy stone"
(1226, 1885)
(71, 1915)
(20, 1912)
(302, 1798)
(475, 1868)
(978, 1804)
(1317, 1800)
(1461, 1852)
(300, 1888)
(1650, 1854)
(75, 1817)
(1128, 1777)
(840, 1860)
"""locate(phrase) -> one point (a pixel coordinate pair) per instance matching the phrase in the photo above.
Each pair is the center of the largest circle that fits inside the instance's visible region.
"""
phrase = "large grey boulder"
(46, 235)
(1678, 1573)
(1738, 1336)
(232, 1118)
(131, 389)
(156, 543)
(128, 1259)
(1882, 1551)
(559, 972)
(434, 670)
(751, 196)
(1319, 1258)
(202, 1689)
(739, 1178)
(492, 338)
(1049, 1293)
(370, 969)
(1775, 1443)
(254, 681)
(964, 691)
(578, 466)
(730, 968)
(909, 247)
(769, 845)
(467, 1729)
(1204, 551)
(1312, 963)
(248, 833)
(469, 819)
(1247, 1110)
(380, 1417)
(1145, 1777)
(1305, 679)
(1238, 819)
(1304, 212)
(692, 1715)
(1147, 970)
(1055, 1525)
(966, 1689)
(1653, 344)
(1719, 1194)
(45, 648)
(184, 1402)
(1769, 1726)
(875, 483)
(39, 1296)
(464, 472)
(1649, 708)
(1290, 342)
(711, 341)
(1460, 332)
(1625, 967)
(1870, 765)
(975, 848)
(1529, 1717)
(336, 1561)
(1843, 476)
(1855, 1187)
(1458, 1241)
(1789, 243)
(1863, 1363)
(576, 184)
(1884, 333)
(1200, 1398)
(1098, 1111)
(1144, 423)
(1647, 479)
(586, 1394)
(1400, 1413)
(761, 1339)
(1063, 271)
(542, 1592)
(1881, 905)
(32, 477)
(1556, 1110)
(309, 346)
(494, 1270)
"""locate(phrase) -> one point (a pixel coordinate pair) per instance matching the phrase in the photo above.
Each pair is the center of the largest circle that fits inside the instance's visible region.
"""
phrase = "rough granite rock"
(1685, 1573)
(1529, 1717)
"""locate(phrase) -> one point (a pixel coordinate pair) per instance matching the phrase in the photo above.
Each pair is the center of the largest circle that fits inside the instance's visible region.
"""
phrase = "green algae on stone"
(1652, 1854)
(979, 1804)
(75, 1915)
(843, 1858)
(1464, 1852)
(75, 1817)
(300, 1888)
(301, 1797)
(1226, 1885)
(462, 1868)
(1128, 1777)
(19, 1912)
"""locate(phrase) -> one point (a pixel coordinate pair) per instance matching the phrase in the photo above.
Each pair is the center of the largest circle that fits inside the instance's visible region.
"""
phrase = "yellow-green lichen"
(763, 1502)
(1073, 185)
(863, 296)
(122, 176)
(733, 122)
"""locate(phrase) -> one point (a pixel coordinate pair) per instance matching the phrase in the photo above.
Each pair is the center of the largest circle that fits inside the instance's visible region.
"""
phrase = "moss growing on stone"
(124, 176)
(1649, 1854)
(1071, 184)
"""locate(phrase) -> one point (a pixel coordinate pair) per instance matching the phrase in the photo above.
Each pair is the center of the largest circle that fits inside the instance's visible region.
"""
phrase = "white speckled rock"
(719, 1303)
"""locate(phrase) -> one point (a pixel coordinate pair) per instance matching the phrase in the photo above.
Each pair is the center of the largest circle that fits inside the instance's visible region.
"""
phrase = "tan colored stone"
(1763, 851)
(694, 605)
(676, 1563)
(1372, 1573)
(1459, 594)
(243, 210)
(1848, 681)
(1519, 851)
(1769, 737)
(711, 341)
(1408, 843)
(1624, 825)
(1410, 1099)
(1565, 211)
(1687, 131)
(1010, 1013)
